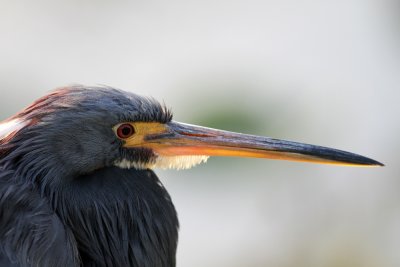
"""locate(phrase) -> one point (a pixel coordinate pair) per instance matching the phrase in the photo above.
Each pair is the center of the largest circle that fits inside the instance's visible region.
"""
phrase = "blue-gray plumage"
(76, 185)
(63, 203)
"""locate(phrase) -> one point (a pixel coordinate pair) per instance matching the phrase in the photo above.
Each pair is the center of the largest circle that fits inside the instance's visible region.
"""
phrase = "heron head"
(76, 130)
(72, 131)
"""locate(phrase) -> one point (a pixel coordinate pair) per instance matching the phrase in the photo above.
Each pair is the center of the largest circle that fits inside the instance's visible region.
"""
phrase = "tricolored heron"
(76, 180)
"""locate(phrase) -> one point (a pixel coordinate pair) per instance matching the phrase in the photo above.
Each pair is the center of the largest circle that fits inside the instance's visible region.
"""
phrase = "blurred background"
(321, 72)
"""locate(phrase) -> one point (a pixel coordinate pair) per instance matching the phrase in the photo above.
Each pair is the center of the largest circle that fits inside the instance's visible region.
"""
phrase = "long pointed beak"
(175, 138)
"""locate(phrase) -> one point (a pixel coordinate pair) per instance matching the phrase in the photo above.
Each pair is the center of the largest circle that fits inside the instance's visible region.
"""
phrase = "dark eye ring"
(125, 131)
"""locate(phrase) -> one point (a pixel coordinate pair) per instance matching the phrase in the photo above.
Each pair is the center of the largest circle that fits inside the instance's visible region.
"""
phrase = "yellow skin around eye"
(142, 129)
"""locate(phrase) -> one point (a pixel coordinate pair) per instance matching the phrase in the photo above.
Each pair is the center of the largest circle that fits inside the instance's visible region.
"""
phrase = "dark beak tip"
(374, 163)
(380, 164)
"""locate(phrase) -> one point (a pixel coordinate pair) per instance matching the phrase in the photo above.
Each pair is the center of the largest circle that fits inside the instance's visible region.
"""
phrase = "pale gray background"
(323, 72)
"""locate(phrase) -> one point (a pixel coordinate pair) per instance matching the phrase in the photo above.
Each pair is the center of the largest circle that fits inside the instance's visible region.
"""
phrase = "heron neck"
(113, 204)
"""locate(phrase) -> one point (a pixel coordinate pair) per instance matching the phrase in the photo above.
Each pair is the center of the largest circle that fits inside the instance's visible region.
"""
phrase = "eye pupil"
(125, 130)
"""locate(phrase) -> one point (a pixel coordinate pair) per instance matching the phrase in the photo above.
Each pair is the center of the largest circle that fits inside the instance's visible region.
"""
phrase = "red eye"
(125, 130)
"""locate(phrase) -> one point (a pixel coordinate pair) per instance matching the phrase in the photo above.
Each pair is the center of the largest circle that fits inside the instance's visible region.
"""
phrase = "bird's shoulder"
(30, 232)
